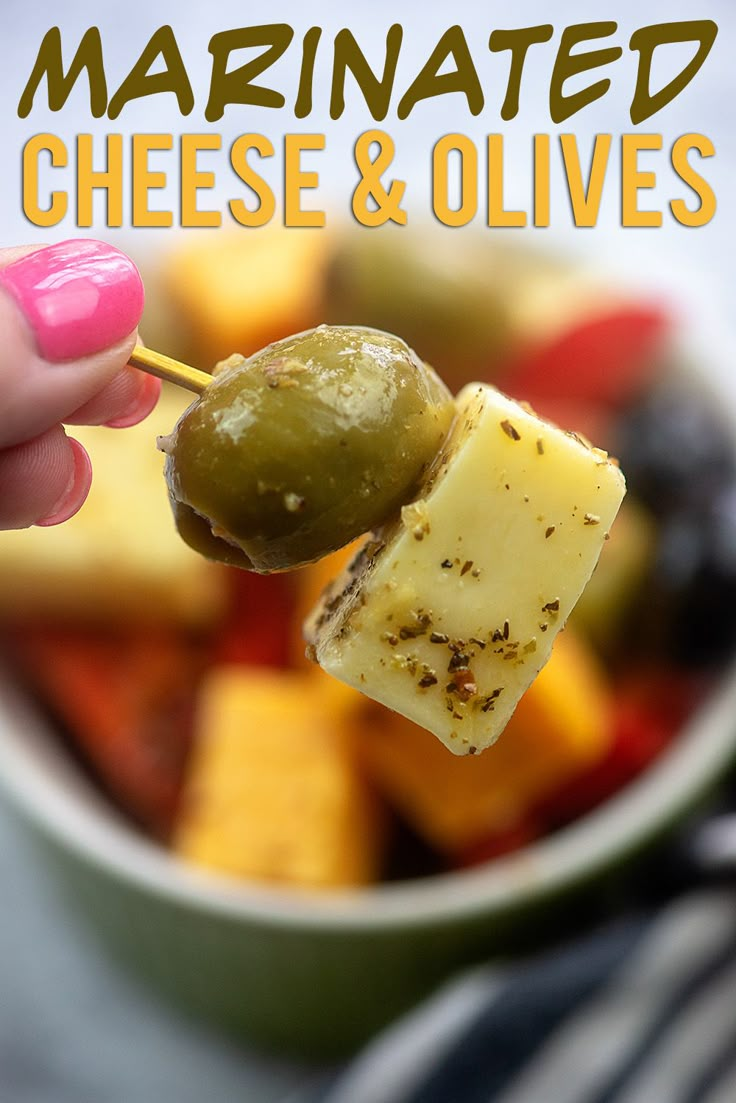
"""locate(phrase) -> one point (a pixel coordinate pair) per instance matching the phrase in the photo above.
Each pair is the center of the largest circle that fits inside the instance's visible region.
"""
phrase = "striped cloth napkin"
(642, 1011)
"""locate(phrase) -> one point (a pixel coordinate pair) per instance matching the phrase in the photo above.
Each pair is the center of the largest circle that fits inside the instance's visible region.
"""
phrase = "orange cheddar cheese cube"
(561, 726)
(272, 791)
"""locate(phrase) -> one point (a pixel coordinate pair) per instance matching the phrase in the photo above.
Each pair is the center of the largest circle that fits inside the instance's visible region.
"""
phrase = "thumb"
(68, 315)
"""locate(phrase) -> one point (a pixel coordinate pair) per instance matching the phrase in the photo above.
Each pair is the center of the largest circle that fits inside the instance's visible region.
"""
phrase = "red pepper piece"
(608, 359)
(649, 709)
(495, 845)
(126, 701)
(257, 627)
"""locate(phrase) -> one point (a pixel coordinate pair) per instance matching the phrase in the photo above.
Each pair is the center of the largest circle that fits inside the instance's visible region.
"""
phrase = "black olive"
(688, 606)
(676, 450)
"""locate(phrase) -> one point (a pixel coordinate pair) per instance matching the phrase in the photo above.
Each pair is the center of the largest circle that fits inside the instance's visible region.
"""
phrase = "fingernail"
(76, 491)
(141, 406)
(78, 297)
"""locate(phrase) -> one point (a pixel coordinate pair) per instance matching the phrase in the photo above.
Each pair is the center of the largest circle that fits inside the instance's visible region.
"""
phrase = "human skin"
(68, 322)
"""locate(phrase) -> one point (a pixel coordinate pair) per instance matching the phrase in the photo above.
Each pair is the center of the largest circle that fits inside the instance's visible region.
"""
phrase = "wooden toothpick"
(164, 367)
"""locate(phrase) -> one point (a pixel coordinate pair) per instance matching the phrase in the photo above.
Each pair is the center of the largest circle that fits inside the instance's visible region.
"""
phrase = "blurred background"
(303, 907)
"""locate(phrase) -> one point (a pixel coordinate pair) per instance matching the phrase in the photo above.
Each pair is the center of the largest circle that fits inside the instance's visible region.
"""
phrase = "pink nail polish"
(76, 490)
(141, 406)
(79, 297)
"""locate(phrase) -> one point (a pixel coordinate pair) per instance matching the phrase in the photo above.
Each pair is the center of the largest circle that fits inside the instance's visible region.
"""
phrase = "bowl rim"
(43, 782)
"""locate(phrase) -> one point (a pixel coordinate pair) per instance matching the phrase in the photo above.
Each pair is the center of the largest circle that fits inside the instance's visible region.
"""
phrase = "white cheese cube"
(449, 614)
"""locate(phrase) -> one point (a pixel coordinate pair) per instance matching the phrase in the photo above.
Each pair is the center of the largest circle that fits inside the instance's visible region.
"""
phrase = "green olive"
(297, 450)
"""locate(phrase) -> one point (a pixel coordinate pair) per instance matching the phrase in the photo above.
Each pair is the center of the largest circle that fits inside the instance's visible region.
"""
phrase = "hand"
(68, 318)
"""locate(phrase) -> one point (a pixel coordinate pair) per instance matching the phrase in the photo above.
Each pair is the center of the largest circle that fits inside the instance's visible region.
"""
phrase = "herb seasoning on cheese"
(451, 610)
